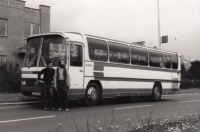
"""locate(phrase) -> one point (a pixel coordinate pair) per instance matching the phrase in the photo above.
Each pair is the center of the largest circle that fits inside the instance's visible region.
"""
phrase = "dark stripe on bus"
(30, 72)
(175, 80)
(98, 74)
(99, 66)
(107, 93)
(131, 79)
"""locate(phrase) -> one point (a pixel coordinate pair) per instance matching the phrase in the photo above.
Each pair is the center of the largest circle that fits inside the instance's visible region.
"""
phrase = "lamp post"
(159, 41)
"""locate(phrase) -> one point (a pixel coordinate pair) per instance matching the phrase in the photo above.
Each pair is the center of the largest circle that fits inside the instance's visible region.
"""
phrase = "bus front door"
(76, 70)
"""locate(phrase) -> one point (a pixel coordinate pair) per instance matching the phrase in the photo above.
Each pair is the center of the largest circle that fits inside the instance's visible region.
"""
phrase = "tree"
(186, 74)
(183, 71)
(195, 70)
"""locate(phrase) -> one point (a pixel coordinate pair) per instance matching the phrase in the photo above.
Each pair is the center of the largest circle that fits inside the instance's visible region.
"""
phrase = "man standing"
(48, 79)
(62, 83)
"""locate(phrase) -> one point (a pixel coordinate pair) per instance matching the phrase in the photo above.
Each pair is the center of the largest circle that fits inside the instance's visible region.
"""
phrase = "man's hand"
(40, 81)
(37, 82)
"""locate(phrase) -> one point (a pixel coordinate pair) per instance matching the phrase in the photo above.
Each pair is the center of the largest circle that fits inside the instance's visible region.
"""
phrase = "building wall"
(17, 15)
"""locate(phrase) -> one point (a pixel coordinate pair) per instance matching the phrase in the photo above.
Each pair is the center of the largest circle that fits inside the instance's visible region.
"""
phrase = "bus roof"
(72, 36)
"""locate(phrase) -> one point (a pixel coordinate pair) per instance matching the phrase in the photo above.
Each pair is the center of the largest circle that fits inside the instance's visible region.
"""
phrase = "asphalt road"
(31, 118)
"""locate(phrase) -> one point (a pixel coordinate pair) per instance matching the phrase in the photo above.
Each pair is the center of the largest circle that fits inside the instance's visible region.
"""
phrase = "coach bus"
(100, 67)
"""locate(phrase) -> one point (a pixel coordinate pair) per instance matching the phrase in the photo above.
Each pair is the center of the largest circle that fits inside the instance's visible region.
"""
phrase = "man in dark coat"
(47, 91)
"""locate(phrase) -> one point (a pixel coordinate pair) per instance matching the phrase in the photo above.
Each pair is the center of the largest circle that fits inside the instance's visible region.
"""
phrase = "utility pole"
(159, 41)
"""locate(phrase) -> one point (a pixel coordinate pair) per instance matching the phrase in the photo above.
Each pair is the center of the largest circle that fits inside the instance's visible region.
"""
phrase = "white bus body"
(105, 68)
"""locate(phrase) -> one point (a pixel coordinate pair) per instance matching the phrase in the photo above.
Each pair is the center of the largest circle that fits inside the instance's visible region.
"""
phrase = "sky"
(131, 21)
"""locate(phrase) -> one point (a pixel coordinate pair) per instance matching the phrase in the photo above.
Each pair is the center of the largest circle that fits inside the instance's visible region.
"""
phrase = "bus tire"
(91, 94)
(156, 93)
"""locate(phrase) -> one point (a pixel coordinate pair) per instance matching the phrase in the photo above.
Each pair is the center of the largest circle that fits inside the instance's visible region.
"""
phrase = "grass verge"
(15, 97)
(188, 122)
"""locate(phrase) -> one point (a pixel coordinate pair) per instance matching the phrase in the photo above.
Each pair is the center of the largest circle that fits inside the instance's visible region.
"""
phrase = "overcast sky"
(131, 21)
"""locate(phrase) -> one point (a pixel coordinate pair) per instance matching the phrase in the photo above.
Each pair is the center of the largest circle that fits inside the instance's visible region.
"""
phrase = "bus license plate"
(36, 93)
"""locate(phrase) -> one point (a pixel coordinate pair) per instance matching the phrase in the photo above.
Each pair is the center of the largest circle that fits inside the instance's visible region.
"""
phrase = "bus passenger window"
(118, 53)
(167, 61)
(139, 56)
(155, 58)
(97, 49)
(174, 59)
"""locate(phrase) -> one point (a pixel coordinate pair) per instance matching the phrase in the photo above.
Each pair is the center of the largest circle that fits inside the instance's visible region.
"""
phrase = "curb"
(19, 103)
(189, 94)
(36, 102)
(181, 94)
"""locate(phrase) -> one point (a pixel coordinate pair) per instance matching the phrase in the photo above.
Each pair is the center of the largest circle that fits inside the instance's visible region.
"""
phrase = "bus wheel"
(91, 94)
(156, 93)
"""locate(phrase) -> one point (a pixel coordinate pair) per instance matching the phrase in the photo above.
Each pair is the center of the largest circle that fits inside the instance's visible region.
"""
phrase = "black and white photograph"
(99, 65)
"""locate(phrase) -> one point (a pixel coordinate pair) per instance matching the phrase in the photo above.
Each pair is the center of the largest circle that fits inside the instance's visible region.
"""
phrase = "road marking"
(132, 107)
(19, 103)
(34, 118)
(189, 101)
(176, 95)
(188, 94)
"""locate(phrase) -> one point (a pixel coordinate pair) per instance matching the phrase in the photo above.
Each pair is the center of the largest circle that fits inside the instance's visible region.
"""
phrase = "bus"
(100, 67)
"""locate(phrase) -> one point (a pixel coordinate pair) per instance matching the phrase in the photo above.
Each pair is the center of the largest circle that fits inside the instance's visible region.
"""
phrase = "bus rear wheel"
(156, 93)
(91, 94)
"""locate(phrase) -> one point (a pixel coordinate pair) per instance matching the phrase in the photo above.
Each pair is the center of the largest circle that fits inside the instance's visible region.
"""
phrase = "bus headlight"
(23, 82)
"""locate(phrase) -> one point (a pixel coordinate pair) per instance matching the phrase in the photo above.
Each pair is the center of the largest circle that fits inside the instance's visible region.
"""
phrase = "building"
(17, 22)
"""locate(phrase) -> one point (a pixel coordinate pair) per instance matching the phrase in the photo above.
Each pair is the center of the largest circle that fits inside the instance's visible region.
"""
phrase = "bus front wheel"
(156, 93)
(91, 94)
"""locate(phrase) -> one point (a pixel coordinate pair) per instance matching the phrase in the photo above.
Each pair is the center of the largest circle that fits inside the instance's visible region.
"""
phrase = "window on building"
(3, 27)
(155, 58)
(139, 56)
(97, 49)
(31, 29)
(118, 53)
(27, 31)
(36, 29)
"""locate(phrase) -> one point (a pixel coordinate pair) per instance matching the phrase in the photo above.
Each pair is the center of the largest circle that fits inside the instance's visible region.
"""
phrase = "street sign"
(165, 39)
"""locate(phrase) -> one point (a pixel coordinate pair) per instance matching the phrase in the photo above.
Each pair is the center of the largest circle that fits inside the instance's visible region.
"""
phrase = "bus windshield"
(42, 49)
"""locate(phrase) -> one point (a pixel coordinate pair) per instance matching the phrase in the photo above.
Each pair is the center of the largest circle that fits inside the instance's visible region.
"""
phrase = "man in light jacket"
(62, 83)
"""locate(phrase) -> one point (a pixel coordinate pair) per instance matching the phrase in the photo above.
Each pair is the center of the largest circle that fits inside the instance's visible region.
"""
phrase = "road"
(31, 118)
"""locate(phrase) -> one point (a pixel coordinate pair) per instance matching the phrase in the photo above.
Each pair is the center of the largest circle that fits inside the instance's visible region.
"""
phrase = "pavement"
(31, 117)
(19, 99)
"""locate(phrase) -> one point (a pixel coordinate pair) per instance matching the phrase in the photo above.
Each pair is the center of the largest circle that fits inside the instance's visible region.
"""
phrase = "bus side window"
(139, 56)
(174, 59)
(155, 58)
(167, 61)
(97, 49)
(120, 53)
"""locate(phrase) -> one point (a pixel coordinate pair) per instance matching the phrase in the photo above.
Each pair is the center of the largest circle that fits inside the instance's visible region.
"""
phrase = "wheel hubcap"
(156, 92)
(92, 94)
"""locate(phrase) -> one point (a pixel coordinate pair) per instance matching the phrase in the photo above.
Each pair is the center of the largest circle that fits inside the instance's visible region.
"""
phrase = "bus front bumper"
(31, 91)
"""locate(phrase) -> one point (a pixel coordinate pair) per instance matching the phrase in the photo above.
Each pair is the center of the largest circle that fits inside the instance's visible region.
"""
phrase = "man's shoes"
(45, 109)
(59, 109)
(67, 110)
